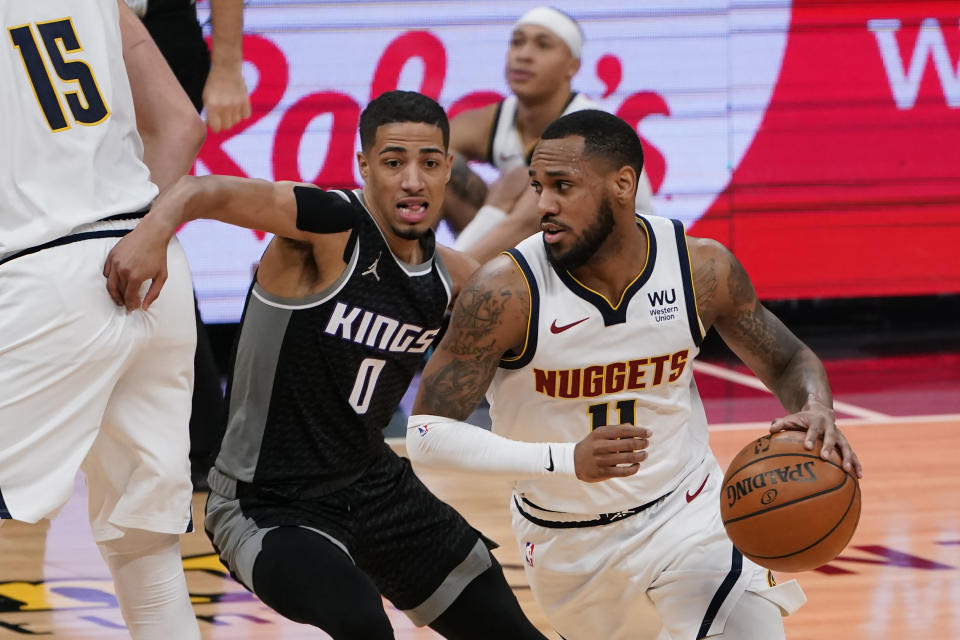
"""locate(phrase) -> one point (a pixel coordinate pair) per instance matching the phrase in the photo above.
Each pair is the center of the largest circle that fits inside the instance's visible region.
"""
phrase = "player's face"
(538, 62)
(404, 174)
(575, 212)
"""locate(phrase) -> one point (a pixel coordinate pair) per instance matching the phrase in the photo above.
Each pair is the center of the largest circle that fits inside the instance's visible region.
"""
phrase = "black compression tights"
(486, 610)
(306, 578)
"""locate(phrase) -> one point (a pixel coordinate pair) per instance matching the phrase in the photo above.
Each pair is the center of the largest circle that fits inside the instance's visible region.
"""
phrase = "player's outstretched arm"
(287, 209)
(490, 317)
(726, 299)
(171, 130)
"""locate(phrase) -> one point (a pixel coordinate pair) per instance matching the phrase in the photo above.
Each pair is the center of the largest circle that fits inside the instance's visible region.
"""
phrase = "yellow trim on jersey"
(46, 70)
(693, 287)
(526, 337)
(81, 95)
(646, 263)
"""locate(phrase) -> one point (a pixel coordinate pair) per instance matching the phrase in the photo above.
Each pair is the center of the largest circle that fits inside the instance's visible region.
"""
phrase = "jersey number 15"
(86, 103)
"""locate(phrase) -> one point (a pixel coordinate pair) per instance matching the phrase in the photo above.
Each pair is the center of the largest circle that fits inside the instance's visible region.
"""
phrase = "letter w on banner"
(905, 80)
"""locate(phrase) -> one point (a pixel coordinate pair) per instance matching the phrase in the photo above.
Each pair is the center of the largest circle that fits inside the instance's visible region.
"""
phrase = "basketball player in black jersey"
(309, 508)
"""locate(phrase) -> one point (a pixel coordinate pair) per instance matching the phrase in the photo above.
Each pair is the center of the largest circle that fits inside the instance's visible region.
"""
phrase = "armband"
(320, 211)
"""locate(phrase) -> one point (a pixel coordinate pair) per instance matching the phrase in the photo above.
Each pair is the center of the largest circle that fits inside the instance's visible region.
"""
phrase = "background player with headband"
(542, 58)
(85, 383)
(585, 334)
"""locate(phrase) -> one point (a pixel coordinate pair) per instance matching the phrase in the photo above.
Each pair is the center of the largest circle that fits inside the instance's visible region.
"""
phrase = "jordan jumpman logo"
(372, 269)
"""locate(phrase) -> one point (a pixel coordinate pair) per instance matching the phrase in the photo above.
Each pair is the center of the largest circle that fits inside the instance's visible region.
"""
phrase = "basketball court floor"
(898, 578)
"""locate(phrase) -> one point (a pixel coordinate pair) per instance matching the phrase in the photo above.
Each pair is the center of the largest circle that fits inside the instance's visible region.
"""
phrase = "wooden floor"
(899, 578)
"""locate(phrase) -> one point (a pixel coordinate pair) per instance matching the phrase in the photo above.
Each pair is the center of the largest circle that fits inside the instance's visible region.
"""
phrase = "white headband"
(559, 23)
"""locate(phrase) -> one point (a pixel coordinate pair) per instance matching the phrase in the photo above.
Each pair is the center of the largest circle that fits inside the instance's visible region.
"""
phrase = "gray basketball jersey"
(315, 380)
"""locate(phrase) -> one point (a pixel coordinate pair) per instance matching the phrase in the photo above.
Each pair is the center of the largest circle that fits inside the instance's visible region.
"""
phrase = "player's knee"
(306, 578)
(340, 620)
(754, 618)
(487, 608)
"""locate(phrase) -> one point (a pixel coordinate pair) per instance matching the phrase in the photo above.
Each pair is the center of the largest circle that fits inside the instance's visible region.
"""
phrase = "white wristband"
(485, 219)
(445, 443)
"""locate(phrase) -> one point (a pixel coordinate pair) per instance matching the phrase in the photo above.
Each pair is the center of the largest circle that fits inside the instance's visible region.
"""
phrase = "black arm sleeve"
(320, 211)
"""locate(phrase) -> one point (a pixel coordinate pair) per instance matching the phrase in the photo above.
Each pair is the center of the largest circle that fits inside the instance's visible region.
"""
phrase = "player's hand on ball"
(600, 455)
(819, 422)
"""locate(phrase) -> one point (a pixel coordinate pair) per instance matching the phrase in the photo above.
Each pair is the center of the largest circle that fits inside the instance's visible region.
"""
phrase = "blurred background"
(819, 140)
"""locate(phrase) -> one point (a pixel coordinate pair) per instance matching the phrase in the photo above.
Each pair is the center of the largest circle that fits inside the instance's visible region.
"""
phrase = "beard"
(589, 241)
(409, 233)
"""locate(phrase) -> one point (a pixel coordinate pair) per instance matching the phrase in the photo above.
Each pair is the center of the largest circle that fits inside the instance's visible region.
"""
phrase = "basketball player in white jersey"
(84, 383)
(585, 335)
(542, 59)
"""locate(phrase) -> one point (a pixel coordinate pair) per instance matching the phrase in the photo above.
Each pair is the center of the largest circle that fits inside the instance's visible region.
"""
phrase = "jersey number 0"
(59, 37)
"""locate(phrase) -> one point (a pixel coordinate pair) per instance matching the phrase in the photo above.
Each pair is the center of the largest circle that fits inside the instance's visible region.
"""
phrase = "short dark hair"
(604, 134)
(401, 106)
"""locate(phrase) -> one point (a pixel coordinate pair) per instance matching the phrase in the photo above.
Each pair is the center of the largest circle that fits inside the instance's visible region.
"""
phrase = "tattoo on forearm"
(705, 283)
(763, 334)
(795, 370)
(455, 389)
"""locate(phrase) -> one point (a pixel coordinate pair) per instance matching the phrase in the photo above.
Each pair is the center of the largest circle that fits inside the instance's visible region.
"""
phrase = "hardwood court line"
(754, 426)
(847, 422)
(754, 383)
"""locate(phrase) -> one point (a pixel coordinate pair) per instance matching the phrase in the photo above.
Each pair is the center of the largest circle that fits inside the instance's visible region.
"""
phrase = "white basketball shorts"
(84, 383)
(667, 572)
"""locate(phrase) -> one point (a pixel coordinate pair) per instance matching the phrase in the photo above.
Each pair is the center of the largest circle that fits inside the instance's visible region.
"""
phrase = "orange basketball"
(785, 507)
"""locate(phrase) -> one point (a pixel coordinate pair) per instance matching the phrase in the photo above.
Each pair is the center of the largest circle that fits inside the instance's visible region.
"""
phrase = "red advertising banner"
(818, 139)
(851, 186)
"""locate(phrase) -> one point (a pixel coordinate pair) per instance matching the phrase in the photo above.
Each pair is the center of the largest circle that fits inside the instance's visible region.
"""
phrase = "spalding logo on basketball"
(785, 507)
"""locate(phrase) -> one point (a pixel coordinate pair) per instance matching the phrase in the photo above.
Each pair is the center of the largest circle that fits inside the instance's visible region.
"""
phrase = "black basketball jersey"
(316, 380)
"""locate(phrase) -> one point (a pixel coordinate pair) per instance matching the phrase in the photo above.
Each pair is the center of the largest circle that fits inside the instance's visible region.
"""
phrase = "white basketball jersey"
(507, 150)
(588, 362)
(71, 153)
(506, 145)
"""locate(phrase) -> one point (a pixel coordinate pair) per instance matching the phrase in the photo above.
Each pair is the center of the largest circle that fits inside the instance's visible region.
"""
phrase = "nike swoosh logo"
(555, 329)
(691, 496)
(550, 451)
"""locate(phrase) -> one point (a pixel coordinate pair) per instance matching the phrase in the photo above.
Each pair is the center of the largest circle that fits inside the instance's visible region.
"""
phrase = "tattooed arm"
(726, 299)
(490, 318)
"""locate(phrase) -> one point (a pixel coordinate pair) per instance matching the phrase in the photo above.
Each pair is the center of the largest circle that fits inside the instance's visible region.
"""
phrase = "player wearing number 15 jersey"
(309, 508)
(83, 383)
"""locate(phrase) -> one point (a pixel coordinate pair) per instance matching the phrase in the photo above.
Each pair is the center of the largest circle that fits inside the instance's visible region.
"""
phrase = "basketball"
(785, 507)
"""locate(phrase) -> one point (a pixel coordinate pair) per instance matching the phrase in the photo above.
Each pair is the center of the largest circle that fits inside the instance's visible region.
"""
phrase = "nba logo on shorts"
(528, 554)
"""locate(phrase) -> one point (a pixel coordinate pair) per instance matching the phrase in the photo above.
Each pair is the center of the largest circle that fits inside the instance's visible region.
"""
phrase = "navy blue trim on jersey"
(722, 592)
(76, 237)
(190, 522)
(522, 359)
(4, 512)
(599, 521)
(493, 131)
(614, 315)
(688, 293)
(133, 215)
